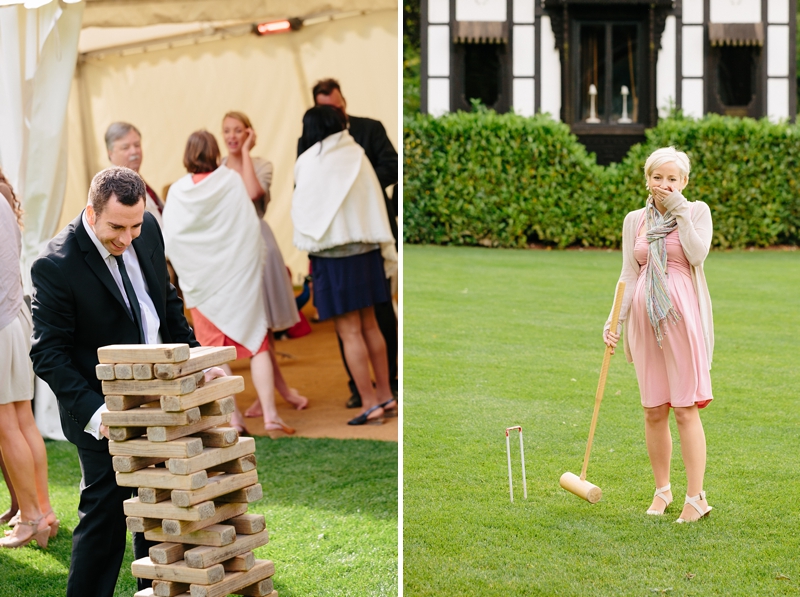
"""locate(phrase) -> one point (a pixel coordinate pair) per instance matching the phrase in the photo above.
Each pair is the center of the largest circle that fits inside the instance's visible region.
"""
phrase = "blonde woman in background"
(20, 442)
(256, 172)
(668, 322)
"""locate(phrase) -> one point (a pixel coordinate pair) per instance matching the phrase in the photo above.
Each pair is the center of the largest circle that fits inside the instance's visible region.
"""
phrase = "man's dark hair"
(202, 153)
(125, 184)
(325, 87)
(320, 122)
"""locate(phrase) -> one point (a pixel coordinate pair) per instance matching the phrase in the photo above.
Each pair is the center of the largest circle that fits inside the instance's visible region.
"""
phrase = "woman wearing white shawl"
(340, 218)
(213, 240)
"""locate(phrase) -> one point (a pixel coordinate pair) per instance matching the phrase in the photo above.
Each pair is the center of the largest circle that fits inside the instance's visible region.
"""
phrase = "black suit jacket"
(77, 308)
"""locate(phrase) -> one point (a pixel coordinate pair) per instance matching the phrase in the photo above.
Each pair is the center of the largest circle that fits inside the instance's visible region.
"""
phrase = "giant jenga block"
(195, 476)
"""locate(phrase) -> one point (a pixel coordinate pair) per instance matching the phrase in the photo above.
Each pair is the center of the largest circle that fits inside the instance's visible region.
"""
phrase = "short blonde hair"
(665, 155)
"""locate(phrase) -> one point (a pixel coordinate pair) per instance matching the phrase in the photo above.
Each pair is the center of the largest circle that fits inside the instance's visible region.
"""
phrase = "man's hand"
(214, 373)
(104, 431)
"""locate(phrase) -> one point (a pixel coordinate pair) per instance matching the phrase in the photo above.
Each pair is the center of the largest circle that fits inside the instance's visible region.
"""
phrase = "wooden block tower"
(195, 476)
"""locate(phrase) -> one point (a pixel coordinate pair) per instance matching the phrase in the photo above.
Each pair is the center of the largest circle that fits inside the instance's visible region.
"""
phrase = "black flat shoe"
(363, 418)
(354, 401)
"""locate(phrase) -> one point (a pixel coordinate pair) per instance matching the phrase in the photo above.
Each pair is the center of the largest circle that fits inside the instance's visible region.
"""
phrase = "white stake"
(522, 459)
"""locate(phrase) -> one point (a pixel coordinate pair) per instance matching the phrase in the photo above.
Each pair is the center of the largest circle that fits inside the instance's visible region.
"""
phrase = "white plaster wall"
(438, 51)
(523, 11)
(481, 10)
(778, 51)
(438, 11)
(524, 96)
(734, 11)
(666, 92)
(692, 97)
(692, 51)
(778, 11)
(777, 99)
(550, 75)
(523, 49)
(438, 96)
(692, 12)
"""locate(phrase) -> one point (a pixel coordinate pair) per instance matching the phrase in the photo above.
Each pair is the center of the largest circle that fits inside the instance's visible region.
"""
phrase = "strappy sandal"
(363, 418)
(692, 501)
(41, 536)
(660, 491)
(54, 526)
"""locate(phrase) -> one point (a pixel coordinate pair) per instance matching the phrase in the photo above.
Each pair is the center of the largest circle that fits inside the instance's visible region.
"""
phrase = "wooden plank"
(123, 371)
(167, 588)
(174, 526)
(143, 371)
(137, 524)
(223, 406)
(162, 387)
(184, 447)
(179, 572)
(234, 580)
(201, 358)
(199, 512)
(215, 487)
(149, 417)
(161, 478)
(240, 563)
(104, 372)
(128, 464)
(121, 434)
(247, 495)
(205, 556)
(248, 524)
(166, 553)
(212, 457)
(143, 353)
(215, 389)
(215, 535)
(167, 434)
(151, 495)
(218, 437)
(263, 588)
(242, 464)
(117, 403)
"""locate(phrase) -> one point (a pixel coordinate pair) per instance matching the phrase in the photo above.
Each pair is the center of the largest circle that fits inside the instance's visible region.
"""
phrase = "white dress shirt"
(150, 320)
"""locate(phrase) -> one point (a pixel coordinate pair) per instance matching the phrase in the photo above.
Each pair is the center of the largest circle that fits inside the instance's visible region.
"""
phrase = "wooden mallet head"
(580, 487)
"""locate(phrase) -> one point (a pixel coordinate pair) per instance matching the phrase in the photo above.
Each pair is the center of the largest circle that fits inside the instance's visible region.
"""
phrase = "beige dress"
(278, 291)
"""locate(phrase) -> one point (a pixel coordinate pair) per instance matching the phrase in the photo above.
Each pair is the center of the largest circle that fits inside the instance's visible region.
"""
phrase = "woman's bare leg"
(291, 395)
(12, 509)
(357, 354)
(659, 448)
(693, 449)
(376, 346)
(264, 382)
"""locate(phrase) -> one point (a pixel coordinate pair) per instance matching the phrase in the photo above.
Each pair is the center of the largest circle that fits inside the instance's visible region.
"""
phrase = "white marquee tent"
(69, 69)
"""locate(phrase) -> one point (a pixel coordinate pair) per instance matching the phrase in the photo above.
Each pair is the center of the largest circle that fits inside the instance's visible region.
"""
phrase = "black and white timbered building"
(609, 69)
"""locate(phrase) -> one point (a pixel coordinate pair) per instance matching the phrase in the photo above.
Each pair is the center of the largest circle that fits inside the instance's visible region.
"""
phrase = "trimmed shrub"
(505, 180)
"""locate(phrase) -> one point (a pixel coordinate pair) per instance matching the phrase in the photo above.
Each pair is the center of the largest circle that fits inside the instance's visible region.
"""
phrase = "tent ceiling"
(138, 13)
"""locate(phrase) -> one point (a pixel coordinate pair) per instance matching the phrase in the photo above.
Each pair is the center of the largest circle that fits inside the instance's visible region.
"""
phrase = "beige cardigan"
(695, 230)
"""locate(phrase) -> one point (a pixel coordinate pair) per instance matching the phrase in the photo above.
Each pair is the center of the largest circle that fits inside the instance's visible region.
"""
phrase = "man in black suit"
(371, 136)
(103, 280)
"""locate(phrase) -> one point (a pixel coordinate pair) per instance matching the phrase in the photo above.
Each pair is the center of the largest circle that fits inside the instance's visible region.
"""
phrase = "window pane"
(625, 59)
(482, 73)
(592, 69)
(736, 75)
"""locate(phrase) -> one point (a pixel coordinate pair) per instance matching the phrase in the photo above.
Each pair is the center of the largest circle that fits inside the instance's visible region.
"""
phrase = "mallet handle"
(601, 385)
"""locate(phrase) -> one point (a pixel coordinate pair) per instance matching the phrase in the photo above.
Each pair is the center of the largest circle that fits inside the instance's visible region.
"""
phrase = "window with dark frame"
(736, 78)
(482, 73)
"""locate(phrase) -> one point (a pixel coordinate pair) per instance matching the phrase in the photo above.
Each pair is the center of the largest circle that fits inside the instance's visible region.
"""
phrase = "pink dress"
(676, 374)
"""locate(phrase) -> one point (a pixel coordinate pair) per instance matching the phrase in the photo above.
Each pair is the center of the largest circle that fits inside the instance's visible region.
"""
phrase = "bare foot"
(278, 425)
(254, 411)
(296, 399)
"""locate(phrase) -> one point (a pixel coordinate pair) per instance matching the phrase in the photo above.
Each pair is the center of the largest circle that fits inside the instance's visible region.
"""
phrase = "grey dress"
(277, 286)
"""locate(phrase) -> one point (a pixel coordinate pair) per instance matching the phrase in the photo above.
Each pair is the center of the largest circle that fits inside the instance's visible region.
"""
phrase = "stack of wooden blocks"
(161, 411)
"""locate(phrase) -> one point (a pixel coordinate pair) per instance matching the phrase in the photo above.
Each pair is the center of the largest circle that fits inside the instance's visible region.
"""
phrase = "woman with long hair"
(21, 443)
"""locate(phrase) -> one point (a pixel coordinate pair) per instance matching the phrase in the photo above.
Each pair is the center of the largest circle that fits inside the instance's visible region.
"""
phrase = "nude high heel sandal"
(41, 536)
(660, 491)
(692, 501)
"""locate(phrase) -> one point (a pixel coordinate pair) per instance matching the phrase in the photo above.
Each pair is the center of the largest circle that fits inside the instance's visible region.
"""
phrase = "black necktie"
(126, 282)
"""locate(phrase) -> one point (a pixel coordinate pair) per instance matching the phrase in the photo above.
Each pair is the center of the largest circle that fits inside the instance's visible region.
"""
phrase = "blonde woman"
(669, 333)
(20, 442)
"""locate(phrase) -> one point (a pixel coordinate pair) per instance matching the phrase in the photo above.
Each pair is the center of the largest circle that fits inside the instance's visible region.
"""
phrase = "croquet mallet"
(569, 481)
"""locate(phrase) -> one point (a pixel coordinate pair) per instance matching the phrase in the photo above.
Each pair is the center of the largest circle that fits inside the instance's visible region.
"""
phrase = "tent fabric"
(169, 93)
(138, 13)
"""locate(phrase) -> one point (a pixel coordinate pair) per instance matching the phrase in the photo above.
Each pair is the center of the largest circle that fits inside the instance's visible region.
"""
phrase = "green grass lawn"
(494, 338)
(330, 508)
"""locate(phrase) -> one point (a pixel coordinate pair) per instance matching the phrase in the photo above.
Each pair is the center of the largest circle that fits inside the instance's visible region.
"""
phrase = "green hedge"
(506, 180)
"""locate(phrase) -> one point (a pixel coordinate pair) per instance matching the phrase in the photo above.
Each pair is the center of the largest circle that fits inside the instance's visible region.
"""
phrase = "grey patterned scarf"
(659, 305)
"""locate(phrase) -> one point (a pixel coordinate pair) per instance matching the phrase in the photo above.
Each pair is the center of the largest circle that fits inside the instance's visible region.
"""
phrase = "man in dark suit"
(371, 136)
(103, 280)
